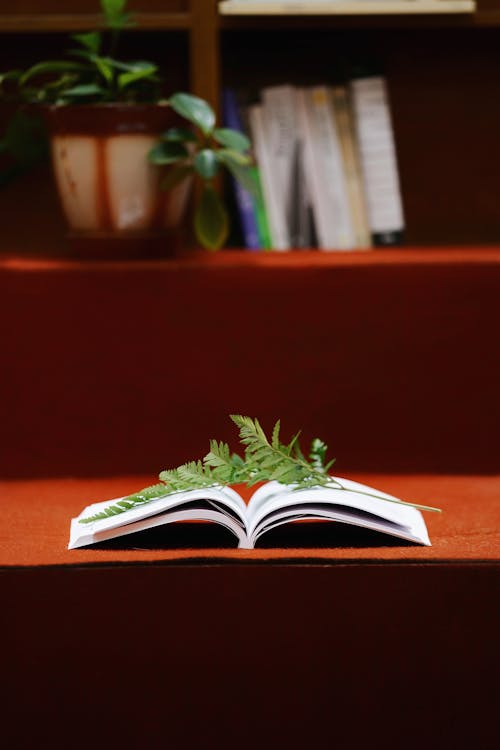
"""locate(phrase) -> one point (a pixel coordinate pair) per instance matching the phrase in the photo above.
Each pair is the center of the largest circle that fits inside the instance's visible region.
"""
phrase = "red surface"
(139, 650)
(34, 524)
(389, 356)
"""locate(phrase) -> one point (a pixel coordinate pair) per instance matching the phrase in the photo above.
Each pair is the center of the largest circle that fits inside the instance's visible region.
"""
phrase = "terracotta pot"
(105, 183)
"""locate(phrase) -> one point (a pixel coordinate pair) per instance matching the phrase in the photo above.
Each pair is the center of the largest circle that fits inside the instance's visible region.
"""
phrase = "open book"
(272, 505)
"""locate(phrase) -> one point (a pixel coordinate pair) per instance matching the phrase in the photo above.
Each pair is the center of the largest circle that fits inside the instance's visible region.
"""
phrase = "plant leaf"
(141, 71)
(211, 221)
(114, 13)
(263, 461)
(53, 66)
(10, 75)
(104, 68)
(179, 134)
(194, 109)
(167, 153)
(232, 139)
(84, 90)
(317, 454)
(91, 40)
(206, 163)
(235, 157)
(175, 176)
(244, 174)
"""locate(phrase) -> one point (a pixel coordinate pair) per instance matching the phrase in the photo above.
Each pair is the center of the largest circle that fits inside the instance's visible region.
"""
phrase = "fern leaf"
(275, 440)
(318, 453)
(294, 446)
(264, 460)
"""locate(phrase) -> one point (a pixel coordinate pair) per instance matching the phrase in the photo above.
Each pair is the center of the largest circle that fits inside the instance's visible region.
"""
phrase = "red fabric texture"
(35, 517)
(389, 356)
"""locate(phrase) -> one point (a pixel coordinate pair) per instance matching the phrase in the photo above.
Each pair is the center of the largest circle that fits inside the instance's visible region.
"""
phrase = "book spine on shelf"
(244, 200)
(265, 240)
(280, 107)
(334, 221)
(270, 187)
(378, 159)
(313, 187)
(279, 111)
(352, 167)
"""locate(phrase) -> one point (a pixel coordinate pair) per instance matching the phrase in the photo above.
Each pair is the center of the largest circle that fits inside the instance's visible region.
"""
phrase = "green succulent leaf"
(91, 40)
(182, 135)
(242, 172)
(114, 13)
(53, 66)
(211, 221)
(206, 163)
(140, 72)
(104, 67)
(10, 75)
(175, 175)
(235, 157)
(167, 153)
(194, 109)
(84, 90)
(232, 139)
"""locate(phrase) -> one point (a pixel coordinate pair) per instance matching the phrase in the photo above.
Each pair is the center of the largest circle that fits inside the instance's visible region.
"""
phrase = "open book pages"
(270, 506)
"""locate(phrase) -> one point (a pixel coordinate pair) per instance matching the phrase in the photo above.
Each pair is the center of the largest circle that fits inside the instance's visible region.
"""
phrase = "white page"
(417, 533)
(273, 496)
(222, 495)
(80, 535)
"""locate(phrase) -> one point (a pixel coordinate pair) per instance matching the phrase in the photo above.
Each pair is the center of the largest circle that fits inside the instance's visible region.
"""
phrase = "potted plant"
(124, 158)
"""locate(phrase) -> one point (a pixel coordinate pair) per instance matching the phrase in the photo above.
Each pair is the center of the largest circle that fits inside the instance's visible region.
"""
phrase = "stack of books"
(326, 167)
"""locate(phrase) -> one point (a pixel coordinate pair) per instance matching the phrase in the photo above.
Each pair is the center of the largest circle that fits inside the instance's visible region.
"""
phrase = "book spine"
(244, 200)
(279, 104)
(335, 226)
(270, 189)
(352, 168)
(378, 159)
(312, 179)
(265, 240)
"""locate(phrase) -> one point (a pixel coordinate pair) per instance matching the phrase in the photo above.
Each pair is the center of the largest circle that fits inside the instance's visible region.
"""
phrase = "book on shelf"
(331, 205)
(275, 208)
(352, 167)
(343, 504)
(328, 164)
(288, 165)
(251, 208)
(344, 7)
(244, 199)
(375, 136)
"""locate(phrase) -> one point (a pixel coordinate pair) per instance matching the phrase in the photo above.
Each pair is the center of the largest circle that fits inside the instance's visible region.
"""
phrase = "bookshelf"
(442, 70)
(390, 356)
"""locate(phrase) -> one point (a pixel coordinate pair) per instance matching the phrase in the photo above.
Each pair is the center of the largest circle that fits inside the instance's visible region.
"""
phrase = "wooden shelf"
(352, 8)
(47, 22)
(241, 259)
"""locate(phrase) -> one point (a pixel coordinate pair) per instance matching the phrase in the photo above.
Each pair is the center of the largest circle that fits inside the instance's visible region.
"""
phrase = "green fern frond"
(131, 501)
(274, 460)
(317, 456)
(219, 454)
(275, 441)
(264, 460)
